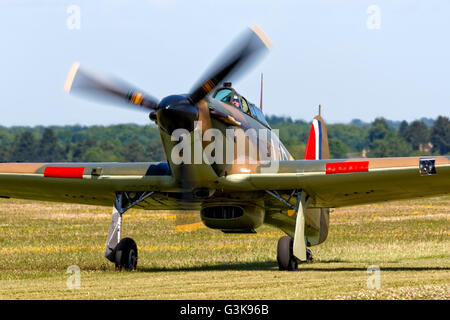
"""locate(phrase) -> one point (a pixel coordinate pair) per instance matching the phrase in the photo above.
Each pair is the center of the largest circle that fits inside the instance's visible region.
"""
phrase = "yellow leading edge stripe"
(260, 33)
(71, 76)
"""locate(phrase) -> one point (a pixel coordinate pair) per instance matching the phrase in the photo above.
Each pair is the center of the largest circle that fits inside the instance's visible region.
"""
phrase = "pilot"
(236, 101)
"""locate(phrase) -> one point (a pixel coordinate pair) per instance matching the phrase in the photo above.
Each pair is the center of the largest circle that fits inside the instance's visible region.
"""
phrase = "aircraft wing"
(89, 183)
(336, 183)
(329, 183)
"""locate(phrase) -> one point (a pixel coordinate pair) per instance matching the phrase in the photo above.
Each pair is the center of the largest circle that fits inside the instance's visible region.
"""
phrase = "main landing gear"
(123, 253)
(291, 250)
(285, 255)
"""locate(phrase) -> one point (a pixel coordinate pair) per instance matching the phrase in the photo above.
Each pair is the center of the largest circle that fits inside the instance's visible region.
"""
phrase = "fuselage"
(214, 139)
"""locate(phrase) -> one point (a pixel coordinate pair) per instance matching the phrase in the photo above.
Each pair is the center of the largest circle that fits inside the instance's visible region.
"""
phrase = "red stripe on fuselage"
(347, 167)
(64, 172)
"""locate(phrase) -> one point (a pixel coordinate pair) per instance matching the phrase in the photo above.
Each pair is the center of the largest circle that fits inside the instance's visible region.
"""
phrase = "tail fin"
(317, 146)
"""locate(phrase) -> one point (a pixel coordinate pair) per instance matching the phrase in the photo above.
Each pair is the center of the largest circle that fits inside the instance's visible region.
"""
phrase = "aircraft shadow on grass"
(272, 266)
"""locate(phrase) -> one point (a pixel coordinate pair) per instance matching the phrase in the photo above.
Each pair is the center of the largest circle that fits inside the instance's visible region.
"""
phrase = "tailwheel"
(285, 256)
(126, 255)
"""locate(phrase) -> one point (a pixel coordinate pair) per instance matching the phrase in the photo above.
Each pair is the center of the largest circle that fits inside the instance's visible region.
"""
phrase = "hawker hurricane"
(224, 161)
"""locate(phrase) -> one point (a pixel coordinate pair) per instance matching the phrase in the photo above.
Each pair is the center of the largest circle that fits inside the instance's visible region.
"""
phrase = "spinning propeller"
(105, 87)
(235, 60)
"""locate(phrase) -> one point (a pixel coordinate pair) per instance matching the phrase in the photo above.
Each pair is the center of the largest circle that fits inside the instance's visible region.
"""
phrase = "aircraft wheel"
(285, 255)
(126, 255)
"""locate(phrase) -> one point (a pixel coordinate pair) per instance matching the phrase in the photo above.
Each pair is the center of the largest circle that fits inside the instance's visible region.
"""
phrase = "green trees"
(377, 131)
(392, 145)
(353, 136)
(440, 135)
(4, 153)
(383, 141)
(381, 138)
(338, 149)
(49, 148)
(81, 144)
(417, 134)
(133, 143)
(24, 148)
(134, 152)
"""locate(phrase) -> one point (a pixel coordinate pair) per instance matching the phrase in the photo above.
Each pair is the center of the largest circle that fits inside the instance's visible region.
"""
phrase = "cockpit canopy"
(228, 95)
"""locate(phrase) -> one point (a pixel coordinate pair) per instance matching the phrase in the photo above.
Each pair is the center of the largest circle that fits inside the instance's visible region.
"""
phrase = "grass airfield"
(408, 240)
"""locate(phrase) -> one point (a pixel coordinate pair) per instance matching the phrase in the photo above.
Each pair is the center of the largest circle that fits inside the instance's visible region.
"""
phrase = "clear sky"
(359, 59)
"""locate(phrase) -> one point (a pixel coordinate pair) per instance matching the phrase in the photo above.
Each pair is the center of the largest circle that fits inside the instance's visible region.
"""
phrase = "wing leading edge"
(89, 183)
(329, 183)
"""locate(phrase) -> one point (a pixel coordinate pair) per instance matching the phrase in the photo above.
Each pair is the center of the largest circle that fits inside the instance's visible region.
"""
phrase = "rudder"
(317, 145)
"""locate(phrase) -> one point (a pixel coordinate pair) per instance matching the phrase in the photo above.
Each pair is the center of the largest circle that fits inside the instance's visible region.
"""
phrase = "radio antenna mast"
(261, 98)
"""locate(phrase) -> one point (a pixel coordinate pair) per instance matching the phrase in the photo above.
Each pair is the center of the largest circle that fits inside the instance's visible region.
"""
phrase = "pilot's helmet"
(236, 102)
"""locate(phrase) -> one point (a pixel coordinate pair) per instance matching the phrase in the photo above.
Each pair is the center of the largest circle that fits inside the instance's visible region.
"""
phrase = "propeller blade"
(99, 86)
(233, 62)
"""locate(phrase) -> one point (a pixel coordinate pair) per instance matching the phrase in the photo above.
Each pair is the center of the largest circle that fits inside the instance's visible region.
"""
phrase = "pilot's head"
(236, 102)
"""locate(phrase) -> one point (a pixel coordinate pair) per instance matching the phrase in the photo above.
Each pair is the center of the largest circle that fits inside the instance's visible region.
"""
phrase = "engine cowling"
(233, 218)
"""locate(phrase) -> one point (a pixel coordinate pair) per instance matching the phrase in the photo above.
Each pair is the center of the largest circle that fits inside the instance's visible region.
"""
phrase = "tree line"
(125, 142)
(134, 143)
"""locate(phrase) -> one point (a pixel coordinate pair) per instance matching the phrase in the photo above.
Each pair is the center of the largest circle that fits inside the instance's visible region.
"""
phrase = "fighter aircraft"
(237, 194)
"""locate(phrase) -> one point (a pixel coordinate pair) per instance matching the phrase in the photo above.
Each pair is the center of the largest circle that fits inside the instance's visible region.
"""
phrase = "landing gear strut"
(123, 252)
(291, 250)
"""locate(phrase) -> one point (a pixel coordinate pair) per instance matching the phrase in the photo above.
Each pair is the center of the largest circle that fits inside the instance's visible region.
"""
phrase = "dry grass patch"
(408, 240)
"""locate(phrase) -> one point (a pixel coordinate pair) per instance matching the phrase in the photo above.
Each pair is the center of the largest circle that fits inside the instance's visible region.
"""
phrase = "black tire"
(285, 255)
(126, 254)
(309, 256)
